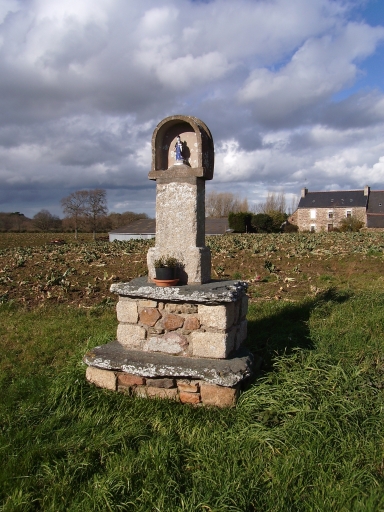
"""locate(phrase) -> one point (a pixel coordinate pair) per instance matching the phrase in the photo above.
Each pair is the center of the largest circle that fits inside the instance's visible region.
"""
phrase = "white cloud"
(320, 68)
(83, 85)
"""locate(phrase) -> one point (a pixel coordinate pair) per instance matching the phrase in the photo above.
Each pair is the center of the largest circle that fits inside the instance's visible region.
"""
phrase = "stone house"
(375, 210)
(323, 211)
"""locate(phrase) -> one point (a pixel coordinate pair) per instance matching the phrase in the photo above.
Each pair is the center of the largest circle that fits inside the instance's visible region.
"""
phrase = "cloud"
(318, 69)
(84, 84)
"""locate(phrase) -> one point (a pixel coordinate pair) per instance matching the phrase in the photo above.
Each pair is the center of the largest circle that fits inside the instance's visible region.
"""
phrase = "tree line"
(269, 216)
(87, 211)
(84, 210)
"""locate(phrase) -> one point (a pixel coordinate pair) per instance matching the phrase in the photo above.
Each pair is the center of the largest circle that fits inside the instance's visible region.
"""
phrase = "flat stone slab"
(214, 292)
(223, 372)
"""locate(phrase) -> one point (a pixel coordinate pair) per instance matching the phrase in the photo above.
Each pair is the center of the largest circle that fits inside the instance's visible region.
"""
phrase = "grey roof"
(375, 220)
(148, 227)
(334, 199)
(216, 226)
(376, 202)
(138, 227)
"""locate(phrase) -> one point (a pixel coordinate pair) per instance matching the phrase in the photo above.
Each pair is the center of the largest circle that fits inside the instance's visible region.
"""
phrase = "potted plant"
(165, 268)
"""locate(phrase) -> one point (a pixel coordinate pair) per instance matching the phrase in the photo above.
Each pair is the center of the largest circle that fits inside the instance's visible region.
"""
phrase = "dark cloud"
(83, 85)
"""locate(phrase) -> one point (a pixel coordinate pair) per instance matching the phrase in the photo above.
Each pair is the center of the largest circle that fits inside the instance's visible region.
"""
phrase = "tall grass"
(307, 435)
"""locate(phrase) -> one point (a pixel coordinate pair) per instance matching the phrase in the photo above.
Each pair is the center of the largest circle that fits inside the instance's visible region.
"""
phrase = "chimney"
(367, 190)
(304, 192)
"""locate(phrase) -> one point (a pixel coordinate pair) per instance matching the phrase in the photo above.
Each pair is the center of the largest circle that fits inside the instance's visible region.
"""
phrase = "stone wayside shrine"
(180, 342)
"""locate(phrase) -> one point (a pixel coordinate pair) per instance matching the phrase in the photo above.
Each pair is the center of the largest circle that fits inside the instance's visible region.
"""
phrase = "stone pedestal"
(180, 212)
(180, 196)
(183, 343)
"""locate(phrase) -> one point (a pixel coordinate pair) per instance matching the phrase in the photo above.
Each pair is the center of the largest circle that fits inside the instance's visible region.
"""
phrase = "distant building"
(324, 211)
(375, 210)
(146, 228)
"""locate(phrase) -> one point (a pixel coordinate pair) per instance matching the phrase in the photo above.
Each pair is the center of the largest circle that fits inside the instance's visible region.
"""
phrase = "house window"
(348, 213)
(313, 214)
(330, 227)
(330, 214)
(313, 228)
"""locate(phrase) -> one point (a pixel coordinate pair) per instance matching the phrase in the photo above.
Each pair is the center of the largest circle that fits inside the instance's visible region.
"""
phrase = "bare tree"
(220, 204)
(275, 206)
(294, 204)
(96, 208)
(45, 221)
(116, 220)
(15, 221)
(275, 202)
(74, 206)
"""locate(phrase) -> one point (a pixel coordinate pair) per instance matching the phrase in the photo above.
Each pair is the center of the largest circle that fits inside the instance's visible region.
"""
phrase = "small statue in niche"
(179, 150)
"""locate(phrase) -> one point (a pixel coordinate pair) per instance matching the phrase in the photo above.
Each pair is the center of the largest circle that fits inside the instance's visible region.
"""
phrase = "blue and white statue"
(179, 150)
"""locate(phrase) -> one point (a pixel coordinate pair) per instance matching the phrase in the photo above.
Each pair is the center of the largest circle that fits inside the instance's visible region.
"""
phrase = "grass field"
(306, 436)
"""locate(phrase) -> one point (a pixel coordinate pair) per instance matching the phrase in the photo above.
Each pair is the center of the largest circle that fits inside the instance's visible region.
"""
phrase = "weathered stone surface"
(189, 398)
(161, 383)
(237, 311)
(188, 386)
(170, 343)
(127, 379)
(171, 394)
(149, 316)
(172, 322)
(241, 334)
(217, 317)
(191, 323)
(180, 204)
(213, 292)
(156, 330)
(197, 137)
(147, 303)
(140, 391)
(225, 372)
(101, 378)
(180, 308)
(130, 335)
(218, 396)
(212, 344)
(126, 310)
(127, 390)
(244, 306)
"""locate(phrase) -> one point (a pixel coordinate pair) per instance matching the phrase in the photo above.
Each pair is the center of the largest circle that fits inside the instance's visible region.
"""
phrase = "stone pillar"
(180, 215)
(180, 196)
(185, 342)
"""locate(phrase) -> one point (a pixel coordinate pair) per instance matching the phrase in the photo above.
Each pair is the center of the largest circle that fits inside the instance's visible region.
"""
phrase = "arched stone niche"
(198, 148)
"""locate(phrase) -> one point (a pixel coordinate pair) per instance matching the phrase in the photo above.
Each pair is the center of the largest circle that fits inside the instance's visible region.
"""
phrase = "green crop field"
(306, 436)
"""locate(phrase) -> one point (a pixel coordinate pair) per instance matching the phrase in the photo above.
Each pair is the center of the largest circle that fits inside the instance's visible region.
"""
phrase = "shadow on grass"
(280, 328)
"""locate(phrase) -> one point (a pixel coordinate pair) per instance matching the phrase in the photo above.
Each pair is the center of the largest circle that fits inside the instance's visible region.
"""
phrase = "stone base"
(182, 343)
(207, 320)
(185, 379)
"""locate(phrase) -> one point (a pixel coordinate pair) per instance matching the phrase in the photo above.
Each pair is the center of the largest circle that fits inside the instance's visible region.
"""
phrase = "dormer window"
(331, 200)
(379, 204)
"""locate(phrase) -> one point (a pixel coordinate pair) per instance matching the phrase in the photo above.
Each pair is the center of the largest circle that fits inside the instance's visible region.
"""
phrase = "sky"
(292, 91)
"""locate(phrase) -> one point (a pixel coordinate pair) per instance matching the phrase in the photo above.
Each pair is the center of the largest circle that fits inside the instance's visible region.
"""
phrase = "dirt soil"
(276, 266)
